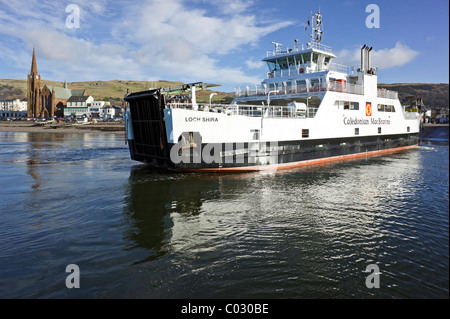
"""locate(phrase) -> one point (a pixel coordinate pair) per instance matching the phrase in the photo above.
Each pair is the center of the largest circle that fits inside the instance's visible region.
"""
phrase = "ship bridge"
(302, 69)
(301, 59)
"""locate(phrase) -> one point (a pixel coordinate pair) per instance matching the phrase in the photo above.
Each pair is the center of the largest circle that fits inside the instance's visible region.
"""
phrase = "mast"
(316, 28)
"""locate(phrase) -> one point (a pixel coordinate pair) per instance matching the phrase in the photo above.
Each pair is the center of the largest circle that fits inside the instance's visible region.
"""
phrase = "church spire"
(33, 64)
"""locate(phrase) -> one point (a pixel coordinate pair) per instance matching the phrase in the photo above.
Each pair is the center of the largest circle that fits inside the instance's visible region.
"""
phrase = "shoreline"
(33, 127)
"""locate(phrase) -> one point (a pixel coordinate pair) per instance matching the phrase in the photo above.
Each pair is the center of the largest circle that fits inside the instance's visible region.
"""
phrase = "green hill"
(112, 91)
(434, 95)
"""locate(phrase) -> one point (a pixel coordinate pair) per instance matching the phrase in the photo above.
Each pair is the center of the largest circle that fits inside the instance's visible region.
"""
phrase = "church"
(50, 100)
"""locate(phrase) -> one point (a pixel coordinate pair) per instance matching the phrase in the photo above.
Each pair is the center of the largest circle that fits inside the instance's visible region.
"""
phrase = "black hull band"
(255, 156)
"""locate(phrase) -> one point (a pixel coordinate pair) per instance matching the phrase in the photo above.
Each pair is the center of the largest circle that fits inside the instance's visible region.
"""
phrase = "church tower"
(34, 87)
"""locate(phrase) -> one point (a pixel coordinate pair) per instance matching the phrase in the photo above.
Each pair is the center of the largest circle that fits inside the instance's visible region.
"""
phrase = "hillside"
(434, 95)
(112, 91)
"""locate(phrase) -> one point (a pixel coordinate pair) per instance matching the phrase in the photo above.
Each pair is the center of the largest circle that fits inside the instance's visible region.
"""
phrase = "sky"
(216, 41)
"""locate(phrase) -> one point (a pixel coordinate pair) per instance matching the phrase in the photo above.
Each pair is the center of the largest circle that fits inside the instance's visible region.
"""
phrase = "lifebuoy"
(301, 70)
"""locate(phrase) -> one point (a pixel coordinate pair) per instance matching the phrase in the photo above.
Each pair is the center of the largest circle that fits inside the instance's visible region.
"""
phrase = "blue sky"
(217, 41)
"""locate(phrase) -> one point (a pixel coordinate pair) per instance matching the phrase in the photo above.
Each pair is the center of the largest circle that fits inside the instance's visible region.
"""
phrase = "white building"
(108, 112)
(13, 108)
(78, 106)
(96, 108)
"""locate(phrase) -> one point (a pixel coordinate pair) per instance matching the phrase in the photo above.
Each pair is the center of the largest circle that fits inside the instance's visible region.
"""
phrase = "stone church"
(50, 100)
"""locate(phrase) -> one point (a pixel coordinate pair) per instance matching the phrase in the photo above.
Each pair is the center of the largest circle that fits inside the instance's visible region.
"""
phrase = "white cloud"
(165, 39)
(54, 45)
(188, 42)
(251, 63)
(399, 55)
(233, 6)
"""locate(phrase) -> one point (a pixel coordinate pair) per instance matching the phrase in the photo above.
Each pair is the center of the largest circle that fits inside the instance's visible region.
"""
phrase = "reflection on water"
(304, 233)
(141, 233)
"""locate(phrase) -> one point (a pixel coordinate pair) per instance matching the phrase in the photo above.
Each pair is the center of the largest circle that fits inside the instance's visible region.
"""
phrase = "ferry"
(307, 110)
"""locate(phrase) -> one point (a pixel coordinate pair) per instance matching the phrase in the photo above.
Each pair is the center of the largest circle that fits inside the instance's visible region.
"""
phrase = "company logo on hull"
(368, 109)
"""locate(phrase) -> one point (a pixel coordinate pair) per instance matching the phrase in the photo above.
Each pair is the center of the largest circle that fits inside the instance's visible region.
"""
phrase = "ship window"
(356, 130)
(314, 84)
(379, 130)
(385, 108)
(354, 106)
(291, 61)
(305, 133)
(408, 129)
(347, 105)
(282, 64)
(307, 57)
(315, 57)
(271, 66)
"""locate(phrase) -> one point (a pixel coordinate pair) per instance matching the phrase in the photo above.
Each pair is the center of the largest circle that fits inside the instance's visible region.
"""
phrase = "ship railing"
(300, 47)
(217, 108)
(345, 87)
(308, 68)
(387, 94)
(335, 86)
(319, 46)
(270, 111)
(336, 67)
(248, 110)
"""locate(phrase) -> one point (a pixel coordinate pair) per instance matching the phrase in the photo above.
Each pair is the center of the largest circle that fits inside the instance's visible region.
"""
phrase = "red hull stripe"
(284, 166)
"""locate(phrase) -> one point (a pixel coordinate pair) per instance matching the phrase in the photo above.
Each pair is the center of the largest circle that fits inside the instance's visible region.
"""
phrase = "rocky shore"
(22, 126)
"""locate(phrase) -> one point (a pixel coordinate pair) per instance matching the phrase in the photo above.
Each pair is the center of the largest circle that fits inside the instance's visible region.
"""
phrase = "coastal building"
(108, 112)
(34, 89)
(78, 106)
(55, 98)
(96, 108)
(13, 108)
(50, 100)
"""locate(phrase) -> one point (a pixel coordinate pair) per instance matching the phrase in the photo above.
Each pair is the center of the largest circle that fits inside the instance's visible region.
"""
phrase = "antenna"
(277, 45)
(316, 28)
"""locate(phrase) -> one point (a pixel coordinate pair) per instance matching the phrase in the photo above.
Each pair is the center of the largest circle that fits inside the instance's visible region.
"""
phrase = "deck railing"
(249, 110)
(335, 86)
(310, 68)
(383, 93)
(300, 47)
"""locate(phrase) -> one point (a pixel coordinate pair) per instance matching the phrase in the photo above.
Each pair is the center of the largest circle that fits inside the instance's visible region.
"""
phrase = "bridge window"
(315, 57)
